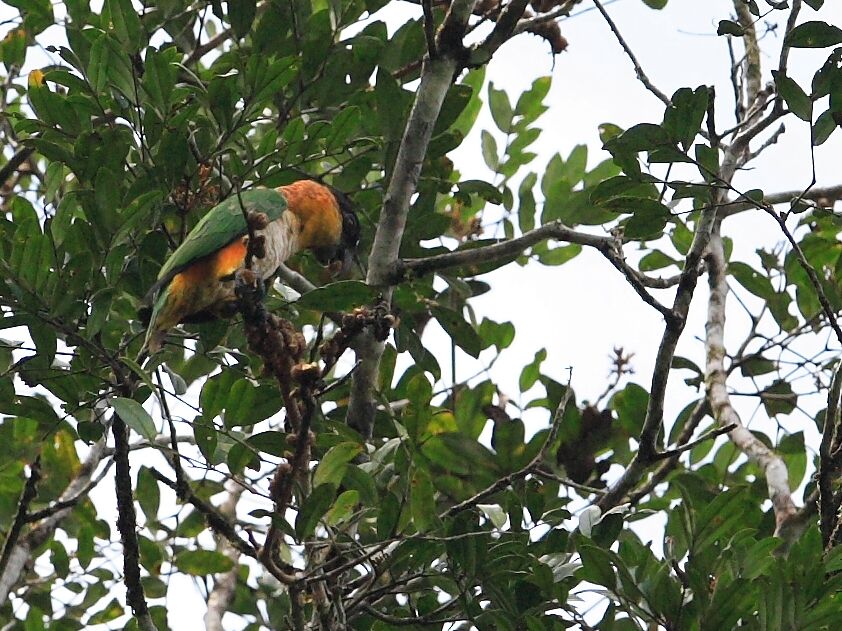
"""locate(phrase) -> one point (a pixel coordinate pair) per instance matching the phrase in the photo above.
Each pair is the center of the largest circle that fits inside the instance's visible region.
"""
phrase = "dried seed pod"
(284, 469)
(306, 373)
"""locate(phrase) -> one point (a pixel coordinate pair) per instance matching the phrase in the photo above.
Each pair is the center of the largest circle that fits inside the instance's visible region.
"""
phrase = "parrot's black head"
(342, 254)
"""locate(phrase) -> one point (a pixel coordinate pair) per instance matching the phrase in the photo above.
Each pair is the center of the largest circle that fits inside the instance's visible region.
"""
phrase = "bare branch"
(790, 24)
(429, 27)
(827, 471)
(127, 524)
(503, 29)
(770, 463)
(823, 195)
(752, 57)
(222, 594)
(699, 412)
(687, 447)
(216, 520)
(30, 490)
(21, 156)
(609, 247)
(641, 75)
(530, 23)
(436, 77)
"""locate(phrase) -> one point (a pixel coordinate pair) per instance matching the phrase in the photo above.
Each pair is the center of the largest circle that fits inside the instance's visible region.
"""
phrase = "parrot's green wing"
(220, 226)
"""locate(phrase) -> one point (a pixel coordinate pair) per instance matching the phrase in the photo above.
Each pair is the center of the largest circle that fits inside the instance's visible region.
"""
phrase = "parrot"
(196, 283)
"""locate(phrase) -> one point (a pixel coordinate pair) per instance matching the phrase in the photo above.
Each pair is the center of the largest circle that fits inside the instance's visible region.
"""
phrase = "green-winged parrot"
(197, 282)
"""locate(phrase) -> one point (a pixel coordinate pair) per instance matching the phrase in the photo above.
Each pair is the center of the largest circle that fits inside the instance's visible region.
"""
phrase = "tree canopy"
(317, 461)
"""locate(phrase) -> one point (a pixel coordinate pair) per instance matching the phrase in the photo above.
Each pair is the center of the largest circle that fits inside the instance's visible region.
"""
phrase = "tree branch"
(826, 194)
(216, 519)
(827, 469)
(661, 472)
(222, 594)
(609, 247)
(30, 490)
(771, 464)
(638, 69)
(436, 77)
(504, 28)
(21, 553)
(20, 156)
(127, 524)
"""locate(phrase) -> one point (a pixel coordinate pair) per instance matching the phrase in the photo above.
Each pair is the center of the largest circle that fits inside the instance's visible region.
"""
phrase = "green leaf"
(596, 566)
(791, 447)
(148, 494)
(530, 104)
(458, 454)
(530, 373)
(655, 4)
(460, 331)
(389, 98)
(239, 404)
(526, 202)
(135, 417)
(560, 255)
(206, 438)
(824, 126)
(501, 108)
(332, 467)
(630, 403)
(202, 562)
(343, 127)
(814, 4)
(796, 99)
(779, 398)
(422, 501)
(489, 150)
(159, 78)
(340, 296)
(241, 15)
(656, 260)
(683, 118)
(756, 365)
(729, 27)
(814, 35)
(314, 506)
(215, 393)
(126, 23)
(707, 159)
(756, 282)
(342, 508)
(270, 442)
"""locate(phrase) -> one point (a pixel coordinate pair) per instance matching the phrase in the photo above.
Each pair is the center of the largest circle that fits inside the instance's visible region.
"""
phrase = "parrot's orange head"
(328, 222)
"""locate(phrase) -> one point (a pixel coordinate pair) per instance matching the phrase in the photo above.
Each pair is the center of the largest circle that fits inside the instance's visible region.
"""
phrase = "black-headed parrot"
(197, 282)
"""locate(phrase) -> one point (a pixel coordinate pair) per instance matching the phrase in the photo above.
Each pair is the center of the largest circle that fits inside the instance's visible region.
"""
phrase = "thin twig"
(641, 75)
(827, 471)
(701, 439)
(30, 490)
(524, 471)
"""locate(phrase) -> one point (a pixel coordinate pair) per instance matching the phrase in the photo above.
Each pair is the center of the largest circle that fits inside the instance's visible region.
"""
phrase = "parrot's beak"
(338, 259)
(346, 261)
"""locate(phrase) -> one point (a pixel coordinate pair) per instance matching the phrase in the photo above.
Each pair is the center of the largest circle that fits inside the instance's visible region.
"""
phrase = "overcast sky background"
(581, 310)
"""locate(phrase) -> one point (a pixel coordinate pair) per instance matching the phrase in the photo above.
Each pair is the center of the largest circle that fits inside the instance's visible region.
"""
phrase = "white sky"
(581, 310)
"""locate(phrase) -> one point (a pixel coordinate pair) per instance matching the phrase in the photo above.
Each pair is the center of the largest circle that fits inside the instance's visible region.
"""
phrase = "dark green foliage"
(135, 137)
